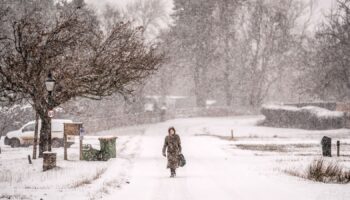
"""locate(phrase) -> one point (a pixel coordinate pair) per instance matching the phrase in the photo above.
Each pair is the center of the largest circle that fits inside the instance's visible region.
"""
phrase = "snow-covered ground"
(250, 166)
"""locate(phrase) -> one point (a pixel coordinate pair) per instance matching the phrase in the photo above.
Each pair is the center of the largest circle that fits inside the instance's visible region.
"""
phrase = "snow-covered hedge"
(309, 117)
(327, 105)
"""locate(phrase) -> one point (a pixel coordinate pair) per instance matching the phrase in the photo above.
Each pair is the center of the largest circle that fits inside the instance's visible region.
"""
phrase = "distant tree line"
(246, 53)
(234, 51)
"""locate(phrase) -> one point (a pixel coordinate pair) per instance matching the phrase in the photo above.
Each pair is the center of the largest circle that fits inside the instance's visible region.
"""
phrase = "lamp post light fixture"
(50, 85)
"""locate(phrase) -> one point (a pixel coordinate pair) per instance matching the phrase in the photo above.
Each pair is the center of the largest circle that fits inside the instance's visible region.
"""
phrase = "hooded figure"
(172, 145)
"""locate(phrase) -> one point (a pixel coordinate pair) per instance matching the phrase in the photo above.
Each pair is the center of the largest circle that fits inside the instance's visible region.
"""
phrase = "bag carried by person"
(182, 160)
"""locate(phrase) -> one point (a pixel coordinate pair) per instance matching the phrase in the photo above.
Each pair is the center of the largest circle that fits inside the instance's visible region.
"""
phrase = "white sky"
(323, 6)
(102, 3)
(320, 6)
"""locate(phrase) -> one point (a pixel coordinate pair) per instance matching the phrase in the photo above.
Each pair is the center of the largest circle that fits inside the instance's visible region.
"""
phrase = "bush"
(321, 171)
(308, 117)
(327, 172)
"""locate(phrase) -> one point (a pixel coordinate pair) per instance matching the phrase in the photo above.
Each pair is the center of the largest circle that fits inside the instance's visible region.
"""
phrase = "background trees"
(329, 71)
(271, 40)
(237, 52)
(227, 23)
(194, 33)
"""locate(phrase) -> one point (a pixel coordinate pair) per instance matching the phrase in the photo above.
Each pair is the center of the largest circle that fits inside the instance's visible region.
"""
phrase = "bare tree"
(270, 43)
(329, 73)
(154, 16)
(71, 46)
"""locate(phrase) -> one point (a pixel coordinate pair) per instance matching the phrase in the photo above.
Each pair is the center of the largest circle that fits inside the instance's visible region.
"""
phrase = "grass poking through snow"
(324, 171)
(274, 147)
(90, 179)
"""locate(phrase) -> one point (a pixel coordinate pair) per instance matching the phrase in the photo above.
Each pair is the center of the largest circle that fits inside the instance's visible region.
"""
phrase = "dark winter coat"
(172, 145)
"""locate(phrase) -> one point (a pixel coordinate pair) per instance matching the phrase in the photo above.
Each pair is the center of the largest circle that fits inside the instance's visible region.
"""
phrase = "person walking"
(172, 147)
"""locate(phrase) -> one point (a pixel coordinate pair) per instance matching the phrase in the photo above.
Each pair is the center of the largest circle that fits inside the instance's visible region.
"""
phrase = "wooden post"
(338, 148)
(81, 137)
(35, 143)
(29, 160)
(80, 149)
(231, 134)
(73, 129)
(65, 146)
(49, 160)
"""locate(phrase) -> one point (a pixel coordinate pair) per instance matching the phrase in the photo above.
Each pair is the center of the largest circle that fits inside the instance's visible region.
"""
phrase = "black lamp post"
(50, 85)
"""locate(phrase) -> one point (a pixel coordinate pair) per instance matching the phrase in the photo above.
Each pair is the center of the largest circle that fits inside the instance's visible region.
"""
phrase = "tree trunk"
(35, 143)
(227, 36)
(200, 96)
(200, 86)
(227, 88)
(45, 135)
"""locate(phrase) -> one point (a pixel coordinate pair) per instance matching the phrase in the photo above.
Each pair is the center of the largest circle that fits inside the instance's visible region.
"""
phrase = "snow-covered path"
(213, 171)
(217, 168)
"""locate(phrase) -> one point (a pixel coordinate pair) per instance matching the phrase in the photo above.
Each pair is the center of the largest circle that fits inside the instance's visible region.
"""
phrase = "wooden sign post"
(338, 148)
(72, 129)
(81, 137)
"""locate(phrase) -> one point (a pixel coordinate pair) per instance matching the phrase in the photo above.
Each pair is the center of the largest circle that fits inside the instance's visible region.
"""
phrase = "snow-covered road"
(253, 166)
(213, 171)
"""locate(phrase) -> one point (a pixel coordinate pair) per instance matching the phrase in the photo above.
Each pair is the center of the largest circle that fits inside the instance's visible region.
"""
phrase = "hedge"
(309, 117)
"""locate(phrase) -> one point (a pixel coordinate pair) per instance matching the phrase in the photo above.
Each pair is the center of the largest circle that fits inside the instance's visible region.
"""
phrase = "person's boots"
(172, 171)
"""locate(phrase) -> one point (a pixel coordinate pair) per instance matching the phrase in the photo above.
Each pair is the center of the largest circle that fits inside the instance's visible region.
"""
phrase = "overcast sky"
(321, 7)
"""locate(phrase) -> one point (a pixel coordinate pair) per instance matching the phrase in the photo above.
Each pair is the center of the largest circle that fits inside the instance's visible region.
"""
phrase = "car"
(25, 135)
